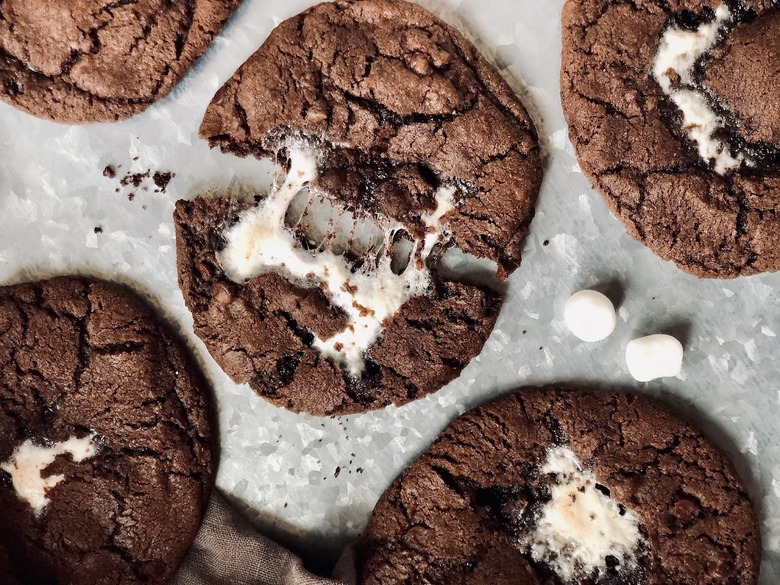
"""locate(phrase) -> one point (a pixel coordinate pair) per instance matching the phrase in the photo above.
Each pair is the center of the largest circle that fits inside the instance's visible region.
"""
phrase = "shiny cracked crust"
(78, 355)
(101, 61)
(398, 103)
(451, 517)
(629, 143)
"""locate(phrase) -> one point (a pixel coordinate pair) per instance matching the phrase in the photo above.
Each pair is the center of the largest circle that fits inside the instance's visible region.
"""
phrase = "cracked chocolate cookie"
(406, 156)
(107, 445)
(80, 61)
(672, 108)
(556, 486)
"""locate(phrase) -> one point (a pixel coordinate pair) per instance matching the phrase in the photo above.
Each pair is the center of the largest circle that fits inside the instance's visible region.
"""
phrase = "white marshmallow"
(654, 356)
(260, 243)
(590, 315)
(678, 53)
(580, 526)
(29, 461)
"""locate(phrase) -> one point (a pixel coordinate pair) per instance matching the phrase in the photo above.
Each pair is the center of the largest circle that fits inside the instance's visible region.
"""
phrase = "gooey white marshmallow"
(654, 356)
(678, 53)
(590, 316)
(29, 460)
(261, 243)
(580, 526)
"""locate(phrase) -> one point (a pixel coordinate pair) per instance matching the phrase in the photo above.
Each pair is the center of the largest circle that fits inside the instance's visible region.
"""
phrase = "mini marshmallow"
(654, 356)
(590, 315)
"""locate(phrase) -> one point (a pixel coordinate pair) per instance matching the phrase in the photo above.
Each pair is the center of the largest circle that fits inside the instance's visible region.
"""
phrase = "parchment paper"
(309, 482)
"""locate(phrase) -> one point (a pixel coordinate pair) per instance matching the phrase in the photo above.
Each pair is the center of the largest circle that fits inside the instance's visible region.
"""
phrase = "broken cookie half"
(371, 273)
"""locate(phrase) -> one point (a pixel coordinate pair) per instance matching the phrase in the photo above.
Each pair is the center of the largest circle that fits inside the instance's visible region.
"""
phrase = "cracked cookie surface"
(81, 357)
(398, 105)
(81, 61)
(466, 510)
(635, 146)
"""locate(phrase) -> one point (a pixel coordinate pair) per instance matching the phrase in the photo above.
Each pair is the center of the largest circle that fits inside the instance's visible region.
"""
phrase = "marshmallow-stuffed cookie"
(674, 110)
(108, 443)
(403, 150)
(558, 486)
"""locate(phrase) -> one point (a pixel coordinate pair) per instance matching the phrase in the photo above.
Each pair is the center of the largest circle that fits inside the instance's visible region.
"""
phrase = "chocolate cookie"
(333, 294)
(107, 445)
(79, 61)
(672, 107)
(551, 486)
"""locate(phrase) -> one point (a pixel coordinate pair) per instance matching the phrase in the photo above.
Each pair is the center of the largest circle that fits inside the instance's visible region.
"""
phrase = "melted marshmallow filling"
(678, 53)
(29, 461)
(262, 242)
(580, 527)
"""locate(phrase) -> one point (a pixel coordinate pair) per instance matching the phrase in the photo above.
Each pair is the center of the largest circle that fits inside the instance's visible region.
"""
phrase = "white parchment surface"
(311, 482)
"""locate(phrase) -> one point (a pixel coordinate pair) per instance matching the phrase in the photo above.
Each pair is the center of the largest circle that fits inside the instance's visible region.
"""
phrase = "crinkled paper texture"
(311, 483)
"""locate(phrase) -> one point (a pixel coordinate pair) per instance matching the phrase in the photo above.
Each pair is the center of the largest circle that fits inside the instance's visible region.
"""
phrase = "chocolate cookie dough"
(80, 61)
(107, 445)
(400, 144)
(556, 486)
(673, 110)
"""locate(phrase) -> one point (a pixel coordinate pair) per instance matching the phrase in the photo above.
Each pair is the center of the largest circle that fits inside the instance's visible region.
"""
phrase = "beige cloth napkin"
(229, 551)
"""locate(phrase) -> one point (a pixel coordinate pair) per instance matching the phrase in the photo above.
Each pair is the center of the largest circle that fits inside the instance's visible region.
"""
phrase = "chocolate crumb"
(98, 230)
(162, 179)
(109, 172)
(134, 179)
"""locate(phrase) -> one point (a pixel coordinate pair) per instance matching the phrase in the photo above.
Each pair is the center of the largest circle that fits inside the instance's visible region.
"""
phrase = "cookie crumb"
(161, 179)
(109, 171)
(134, 179)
